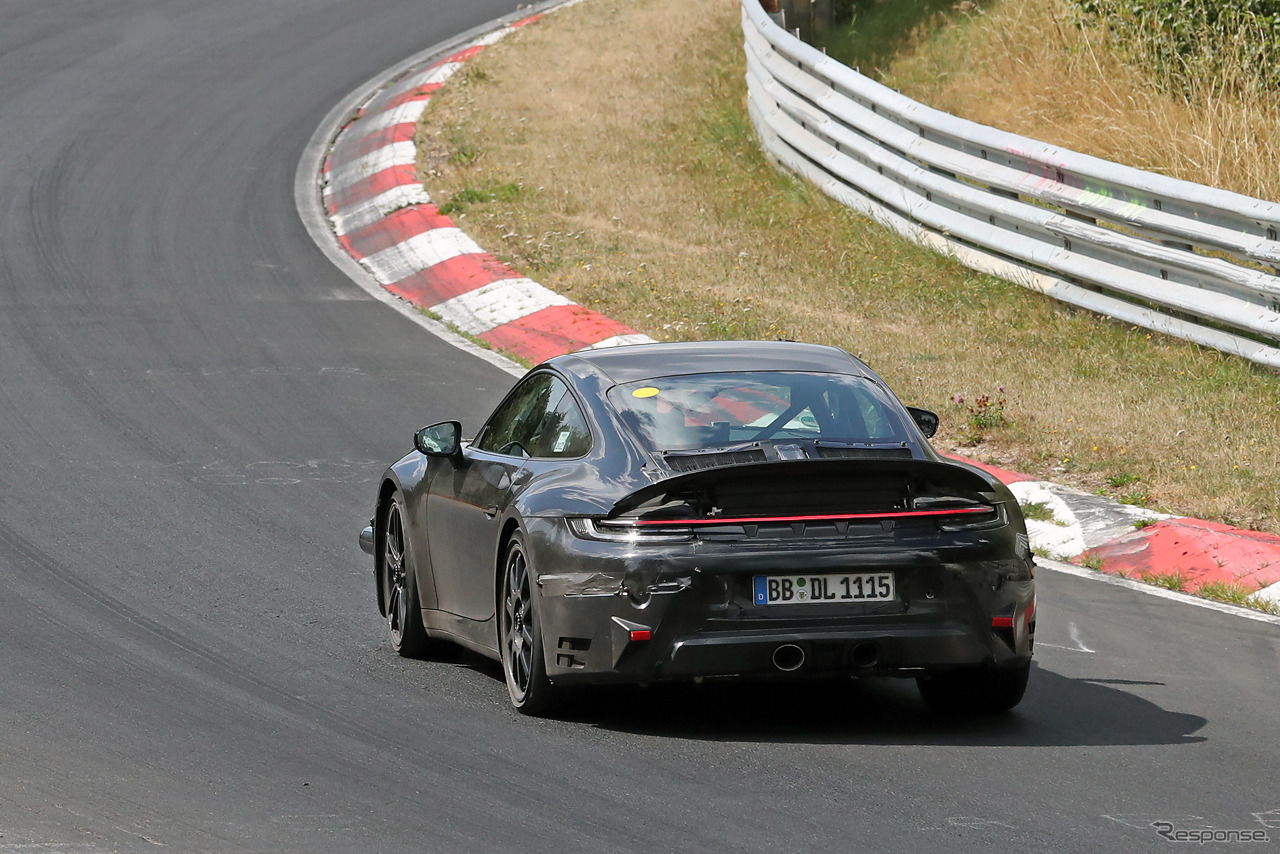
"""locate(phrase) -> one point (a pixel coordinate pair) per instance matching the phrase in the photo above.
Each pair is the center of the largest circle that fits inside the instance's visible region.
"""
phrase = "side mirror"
(439, 440)
(927, 421)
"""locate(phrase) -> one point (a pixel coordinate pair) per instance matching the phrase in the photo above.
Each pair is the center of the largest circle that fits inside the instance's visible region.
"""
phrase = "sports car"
(703, 510)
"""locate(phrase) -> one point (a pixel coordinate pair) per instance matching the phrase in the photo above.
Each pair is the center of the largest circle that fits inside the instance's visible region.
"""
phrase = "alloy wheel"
(517, 622)
(393, 561)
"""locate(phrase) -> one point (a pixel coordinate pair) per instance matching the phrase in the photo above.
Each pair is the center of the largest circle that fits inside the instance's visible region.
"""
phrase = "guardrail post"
(771, 8)
(803, 20)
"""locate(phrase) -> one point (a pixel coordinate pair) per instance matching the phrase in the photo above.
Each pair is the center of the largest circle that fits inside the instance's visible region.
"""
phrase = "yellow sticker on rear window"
(647, 391)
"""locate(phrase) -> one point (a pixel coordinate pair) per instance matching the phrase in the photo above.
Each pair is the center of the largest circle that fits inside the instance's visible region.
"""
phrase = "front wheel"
(520, 635)
(975, 692)
(400, 587)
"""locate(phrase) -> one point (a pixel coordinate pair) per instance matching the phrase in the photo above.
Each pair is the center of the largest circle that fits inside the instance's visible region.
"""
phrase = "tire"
(975, 692)
(400, 586)
(520, 635)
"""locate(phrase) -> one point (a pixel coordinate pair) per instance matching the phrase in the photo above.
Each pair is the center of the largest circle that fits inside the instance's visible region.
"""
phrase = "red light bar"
(1002, 622)
(641, 635)
(835, 517)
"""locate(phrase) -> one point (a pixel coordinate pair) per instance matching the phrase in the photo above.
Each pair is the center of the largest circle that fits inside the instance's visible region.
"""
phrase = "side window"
(515, 425)
(564, 433)
(879, 421)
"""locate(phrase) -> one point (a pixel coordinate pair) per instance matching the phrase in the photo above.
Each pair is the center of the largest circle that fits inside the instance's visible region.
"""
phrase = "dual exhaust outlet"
(790, 657)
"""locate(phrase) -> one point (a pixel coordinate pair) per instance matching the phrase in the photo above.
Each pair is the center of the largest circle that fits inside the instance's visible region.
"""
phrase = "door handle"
(491, 510)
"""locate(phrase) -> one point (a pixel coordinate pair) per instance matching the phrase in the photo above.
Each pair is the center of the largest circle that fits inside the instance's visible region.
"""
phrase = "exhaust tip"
(865, 654)
(788, 658)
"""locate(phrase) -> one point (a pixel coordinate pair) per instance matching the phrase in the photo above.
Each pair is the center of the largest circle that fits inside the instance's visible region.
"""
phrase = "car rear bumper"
(856, 650)
(641, 618)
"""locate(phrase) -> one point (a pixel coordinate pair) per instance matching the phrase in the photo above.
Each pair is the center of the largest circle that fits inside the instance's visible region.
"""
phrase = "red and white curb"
(385, 220)
(1139, 543)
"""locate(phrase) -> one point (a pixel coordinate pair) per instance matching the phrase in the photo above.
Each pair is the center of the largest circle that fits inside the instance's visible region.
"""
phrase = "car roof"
(644, 361)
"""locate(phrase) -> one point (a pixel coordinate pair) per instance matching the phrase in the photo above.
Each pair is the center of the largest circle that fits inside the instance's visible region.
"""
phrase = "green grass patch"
(1225, 591)
(1170, 581)
(1136, 498)
(1041, 512)
(1237, 594)
(463, 149)
(479, 195)
(1257, 603)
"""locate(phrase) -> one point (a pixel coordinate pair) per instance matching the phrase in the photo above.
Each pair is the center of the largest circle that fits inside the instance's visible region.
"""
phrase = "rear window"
(705, 411)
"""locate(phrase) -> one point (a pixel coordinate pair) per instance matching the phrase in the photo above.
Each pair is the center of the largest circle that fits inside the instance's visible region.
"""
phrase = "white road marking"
(1041, 644)
(1143, 821)
(1074, 631)
(977, 822)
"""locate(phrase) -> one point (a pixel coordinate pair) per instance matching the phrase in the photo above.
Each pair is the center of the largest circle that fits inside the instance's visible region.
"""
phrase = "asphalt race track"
(194, 403)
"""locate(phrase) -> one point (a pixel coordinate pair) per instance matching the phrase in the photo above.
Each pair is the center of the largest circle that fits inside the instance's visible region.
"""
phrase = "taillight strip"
(833, 517)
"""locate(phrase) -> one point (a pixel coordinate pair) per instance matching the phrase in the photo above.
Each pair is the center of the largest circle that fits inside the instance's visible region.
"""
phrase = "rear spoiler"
(955, 478)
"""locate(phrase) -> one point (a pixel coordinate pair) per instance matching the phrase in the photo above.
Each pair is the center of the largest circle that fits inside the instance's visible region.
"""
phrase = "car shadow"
(1057, 711)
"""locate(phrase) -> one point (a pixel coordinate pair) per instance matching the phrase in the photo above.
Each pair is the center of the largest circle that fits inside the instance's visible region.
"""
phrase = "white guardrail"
(1187, 260)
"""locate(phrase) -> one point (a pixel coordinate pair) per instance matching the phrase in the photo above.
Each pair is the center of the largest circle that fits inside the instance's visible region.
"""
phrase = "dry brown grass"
(1027, 67)
(628, 178)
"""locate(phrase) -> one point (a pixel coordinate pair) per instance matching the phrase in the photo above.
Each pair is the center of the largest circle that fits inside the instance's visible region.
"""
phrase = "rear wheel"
(975, 692)
(520, 635)
(400, 587)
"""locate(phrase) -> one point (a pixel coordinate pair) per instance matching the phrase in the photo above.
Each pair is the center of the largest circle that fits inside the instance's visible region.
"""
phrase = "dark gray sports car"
(713, 509)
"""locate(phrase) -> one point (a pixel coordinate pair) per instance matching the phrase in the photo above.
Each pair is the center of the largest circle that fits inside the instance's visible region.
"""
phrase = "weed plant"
(1038, 511)
(1170, 581)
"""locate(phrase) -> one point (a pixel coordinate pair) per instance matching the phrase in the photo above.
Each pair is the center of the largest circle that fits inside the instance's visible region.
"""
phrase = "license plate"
(823, 589)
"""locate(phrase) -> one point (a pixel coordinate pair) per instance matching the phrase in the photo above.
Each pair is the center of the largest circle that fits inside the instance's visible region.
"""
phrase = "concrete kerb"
(421, 260)
(308, 188)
